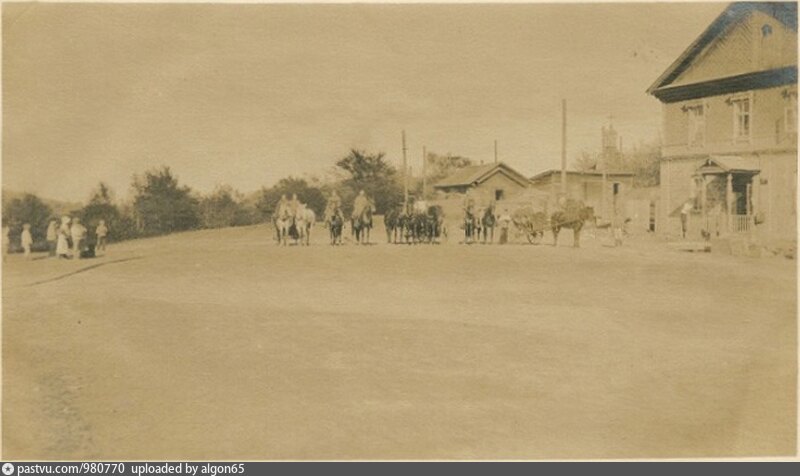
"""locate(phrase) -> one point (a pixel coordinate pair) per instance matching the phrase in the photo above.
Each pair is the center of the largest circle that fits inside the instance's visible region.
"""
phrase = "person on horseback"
(361, 202)
(334, 204)
(282, 206)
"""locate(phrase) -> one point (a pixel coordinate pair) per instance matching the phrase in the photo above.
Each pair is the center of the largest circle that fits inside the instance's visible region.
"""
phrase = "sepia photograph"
(404, 232)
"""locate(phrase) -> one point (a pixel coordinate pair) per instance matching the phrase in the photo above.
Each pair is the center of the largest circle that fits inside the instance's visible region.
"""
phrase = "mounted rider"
(360, 204)
(333, 207)
(282, 208)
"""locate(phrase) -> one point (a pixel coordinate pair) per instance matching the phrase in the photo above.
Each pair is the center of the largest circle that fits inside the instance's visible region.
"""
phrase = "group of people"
(66, 240)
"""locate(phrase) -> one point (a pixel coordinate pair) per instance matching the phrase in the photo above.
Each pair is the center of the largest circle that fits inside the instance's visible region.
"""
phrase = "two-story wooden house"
(730, 125)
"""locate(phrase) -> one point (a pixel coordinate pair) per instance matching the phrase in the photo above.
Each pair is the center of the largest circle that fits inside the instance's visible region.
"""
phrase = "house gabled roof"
(475, 174)
(785, 12)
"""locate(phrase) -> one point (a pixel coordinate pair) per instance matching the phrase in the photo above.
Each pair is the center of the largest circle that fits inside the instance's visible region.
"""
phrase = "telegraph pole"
(564, 147)
(405, 174)
(424, 171)
(495, 151)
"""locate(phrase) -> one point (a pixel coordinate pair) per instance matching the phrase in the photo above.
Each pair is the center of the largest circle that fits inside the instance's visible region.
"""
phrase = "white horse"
(304, 221)
(283, 222)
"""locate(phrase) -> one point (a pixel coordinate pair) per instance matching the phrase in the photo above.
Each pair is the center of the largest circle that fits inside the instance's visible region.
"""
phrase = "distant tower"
(610, 140)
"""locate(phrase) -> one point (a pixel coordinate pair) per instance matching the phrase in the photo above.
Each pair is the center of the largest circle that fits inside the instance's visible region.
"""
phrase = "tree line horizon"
(160, 204)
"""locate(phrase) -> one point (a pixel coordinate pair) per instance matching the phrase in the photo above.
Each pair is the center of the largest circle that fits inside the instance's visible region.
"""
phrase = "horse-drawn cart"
(531, 223)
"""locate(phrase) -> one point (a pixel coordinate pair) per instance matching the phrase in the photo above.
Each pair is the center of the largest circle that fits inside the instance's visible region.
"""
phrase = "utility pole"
(564, 147)
(424, 171)
(405, 174)
(495, 151)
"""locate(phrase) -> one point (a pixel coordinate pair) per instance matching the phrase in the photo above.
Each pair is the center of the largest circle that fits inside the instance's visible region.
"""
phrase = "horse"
(284, 223)
(361, 224)
(487, 223)
(435, 223)
(304, 221)
(574, 214)
(394, 224)
(335, 225)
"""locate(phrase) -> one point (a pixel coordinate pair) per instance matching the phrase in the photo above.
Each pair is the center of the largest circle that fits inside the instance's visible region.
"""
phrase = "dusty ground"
(218, 344)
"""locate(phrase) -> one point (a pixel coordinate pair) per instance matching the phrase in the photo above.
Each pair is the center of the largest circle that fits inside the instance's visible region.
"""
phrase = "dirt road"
(218, 344)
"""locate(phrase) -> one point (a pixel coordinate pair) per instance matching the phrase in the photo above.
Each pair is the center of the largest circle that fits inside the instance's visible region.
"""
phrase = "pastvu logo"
(8, 469)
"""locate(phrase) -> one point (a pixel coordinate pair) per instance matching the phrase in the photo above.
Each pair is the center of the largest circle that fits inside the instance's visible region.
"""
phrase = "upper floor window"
(741, 118)
(697, 125)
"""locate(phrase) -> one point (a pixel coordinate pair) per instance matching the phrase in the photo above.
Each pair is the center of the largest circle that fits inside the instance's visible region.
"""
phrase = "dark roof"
(591, 173)
(785, 12)
(474, 174)
(729, 163)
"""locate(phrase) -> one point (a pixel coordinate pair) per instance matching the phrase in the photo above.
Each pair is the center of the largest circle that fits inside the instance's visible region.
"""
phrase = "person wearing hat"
(62, 242)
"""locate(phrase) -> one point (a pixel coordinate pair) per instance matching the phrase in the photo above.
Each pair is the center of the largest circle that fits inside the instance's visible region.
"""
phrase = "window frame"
(735, 102)
(691, 121)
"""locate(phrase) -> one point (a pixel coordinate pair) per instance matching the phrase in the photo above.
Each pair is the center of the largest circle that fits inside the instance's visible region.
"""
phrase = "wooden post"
(405, 174)
(564, 147)
(424, 172)
(729, 200)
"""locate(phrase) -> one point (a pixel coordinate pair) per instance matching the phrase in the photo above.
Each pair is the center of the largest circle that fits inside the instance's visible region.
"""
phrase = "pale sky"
(247, 94)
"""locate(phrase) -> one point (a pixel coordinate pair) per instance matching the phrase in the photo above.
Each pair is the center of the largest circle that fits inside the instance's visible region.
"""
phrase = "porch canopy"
(727, 164)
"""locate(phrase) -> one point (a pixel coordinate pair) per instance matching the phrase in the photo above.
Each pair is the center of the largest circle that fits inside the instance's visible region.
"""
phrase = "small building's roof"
(785, 12)
(579, 173)
(475, 174)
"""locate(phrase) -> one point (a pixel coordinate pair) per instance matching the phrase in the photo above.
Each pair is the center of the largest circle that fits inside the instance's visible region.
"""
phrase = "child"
(26, 240)
(101, 232)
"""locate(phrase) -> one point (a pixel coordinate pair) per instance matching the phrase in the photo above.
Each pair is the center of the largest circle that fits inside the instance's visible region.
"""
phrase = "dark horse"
(393, 220)
(335, 225)
(574, 214)
(488, 221)
(362, 223)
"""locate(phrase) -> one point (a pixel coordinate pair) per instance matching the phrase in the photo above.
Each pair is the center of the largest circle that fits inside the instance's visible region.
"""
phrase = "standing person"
(685, 210)
(470, 221)
(62, 242)
(52, 237)
(101, 232)
(618, 224)
(26, 240)
(6, 230)
(78, 232)
(505, 221)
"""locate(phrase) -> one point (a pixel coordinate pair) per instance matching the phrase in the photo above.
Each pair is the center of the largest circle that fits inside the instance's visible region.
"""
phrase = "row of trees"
(160, 204)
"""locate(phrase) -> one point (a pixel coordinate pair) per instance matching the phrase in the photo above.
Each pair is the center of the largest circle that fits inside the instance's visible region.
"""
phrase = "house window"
(741, 119)
(697, 125)
(498, 194)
